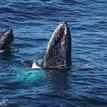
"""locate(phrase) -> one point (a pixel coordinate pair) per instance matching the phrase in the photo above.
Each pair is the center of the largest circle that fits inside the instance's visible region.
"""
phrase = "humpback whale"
(58, 52)
(6, 39)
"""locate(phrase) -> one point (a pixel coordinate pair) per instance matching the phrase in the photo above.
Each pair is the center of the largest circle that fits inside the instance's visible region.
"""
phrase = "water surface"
(33, 21)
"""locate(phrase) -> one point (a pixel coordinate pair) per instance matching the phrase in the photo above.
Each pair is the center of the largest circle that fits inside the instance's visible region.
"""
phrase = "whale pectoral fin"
(58, 52)
(31, 64)
(6, 38)
(27, 63)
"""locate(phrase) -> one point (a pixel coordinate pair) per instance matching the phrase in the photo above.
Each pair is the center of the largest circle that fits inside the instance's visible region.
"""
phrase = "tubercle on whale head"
(58, 52)
(6, 38)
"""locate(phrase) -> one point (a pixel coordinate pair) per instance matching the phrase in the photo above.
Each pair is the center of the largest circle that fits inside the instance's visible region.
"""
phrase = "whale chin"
(58, 52)
(6, 39)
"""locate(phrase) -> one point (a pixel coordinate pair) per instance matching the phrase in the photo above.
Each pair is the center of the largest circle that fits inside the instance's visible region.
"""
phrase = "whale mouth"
(6, 38)
(58, 52)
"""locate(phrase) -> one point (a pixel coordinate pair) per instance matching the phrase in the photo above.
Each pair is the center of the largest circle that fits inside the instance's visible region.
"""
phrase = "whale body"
(6, 39)
(58, 52)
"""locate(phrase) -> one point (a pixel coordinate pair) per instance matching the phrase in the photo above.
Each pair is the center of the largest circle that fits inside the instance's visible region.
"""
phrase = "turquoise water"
(33, 22)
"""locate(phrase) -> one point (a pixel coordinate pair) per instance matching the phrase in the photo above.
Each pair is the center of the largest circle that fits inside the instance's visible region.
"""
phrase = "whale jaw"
(6, 38)
(58, 52)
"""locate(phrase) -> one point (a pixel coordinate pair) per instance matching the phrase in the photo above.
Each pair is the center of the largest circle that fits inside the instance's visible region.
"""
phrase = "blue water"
(33, 22)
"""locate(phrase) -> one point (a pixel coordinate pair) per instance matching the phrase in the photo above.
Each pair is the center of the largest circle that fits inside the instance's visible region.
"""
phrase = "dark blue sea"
(33, 21)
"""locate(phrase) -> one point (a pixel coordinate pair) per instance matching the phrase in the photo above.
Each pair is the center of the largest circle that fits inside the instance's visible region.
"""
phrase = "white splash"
(4, 102)
(35, 66)
(1, 51)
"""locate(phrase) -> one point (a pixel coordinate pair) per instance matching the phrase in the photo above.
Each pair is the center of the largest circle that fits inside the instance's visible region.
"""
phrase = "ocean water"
(33, 22)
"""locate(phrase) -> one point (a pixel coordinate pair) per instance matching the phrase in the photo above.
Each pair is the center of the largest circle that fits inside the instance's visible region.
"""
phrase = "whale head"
(6, 38)
(58, 52)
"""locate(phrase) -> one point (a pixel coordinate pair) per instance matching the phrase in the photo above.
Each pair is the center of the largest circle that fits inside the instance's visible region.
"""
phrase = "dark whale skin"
(58, 52)
(6, 38)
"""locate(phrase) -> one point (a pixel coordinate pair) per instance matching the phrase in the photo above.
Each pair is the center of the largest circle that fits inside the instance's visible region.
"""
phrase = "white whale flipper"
(35, 65)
